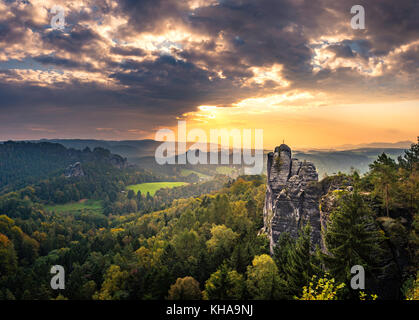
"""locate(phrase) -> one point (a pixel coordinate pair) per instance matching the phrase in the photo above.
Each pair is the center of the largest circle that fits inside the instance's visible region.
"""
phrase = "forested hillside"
(209, 246)
(23, 163)
(128, 148)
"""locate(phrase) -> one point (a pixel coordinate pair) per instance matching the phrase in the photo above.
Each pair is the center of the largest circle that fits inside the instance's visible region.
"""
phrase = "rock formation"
(117, 161)
(74, 170)
(292, 196)
(99, 156)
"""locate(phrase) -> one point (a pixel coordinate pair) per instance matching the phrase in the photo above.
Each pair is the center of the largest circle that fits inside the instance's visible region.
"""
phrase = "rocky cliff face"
(74, 170)
(292, 196)
(102, 156)
(117, 161)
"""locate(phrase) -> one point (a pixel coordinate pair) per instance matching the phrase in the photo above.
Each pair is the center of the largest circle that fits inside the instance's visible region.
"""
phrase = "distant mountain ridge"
(125, 148)
(331, 162)
(400, 144)
(131, 149)
(147, 147)
(23, 163)
(343, 158)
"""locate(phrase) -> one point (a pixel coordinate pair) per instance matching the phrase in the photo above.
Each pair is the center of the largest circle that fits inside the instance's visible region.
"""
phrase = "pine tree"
(409, 182)
(410, 159)
(300, 264)
(384, 176)
(351, 238)
(131, 194)
(224, 284)
(283, 246)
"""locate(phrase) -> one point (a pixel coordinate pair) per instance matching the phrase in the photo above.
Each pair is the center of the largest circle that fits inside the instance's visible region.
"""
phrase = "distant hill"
(131, 149)
(331, 162)
(380, 145)
(125, 148)
(23, 163)
(345, 157)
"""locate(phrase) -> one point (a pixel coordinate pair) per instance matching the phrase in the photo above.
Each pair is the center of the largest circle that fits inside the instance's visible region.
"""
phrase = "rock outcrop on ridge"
(74, 170)
(292, 196)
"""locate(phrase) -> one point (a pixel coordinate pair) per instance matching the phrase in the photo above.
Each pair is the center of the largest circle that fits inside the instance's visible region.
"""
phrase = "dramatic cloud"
(128, 67)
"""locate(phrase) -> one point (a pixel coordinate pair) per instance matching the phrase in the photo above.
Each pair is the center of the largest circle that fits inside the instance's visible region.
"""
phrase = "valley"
(125, 231)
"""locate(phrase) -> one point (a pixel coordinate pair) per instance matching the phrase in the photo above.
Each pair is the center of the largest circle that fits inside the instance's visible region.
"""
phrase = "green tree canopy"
(263, 281)
(186, 288)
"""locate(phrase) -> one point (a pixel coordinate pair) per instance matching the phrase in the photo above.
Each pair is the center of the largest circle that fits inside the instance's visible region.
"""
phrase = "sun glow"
(306, 119)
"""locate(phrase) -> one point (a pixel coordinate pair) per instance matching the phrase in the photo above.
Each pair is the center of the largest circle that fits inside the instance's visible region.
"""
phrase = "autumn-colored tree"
(222, 241)
(263, 280)
(8, 258)
(413, 291)
(186, 288)
(132, 206)
(321, 289)
(113, 287)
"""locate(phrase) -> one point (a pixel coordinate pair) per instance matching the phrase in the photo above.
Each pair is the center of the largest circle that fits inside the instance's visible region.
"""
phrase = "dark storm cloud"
(194, 72)
(388, 23)
(359, 46)
(261, 33)
(128, 51)
(77, 40)
(343, 51)
(63, 63)
(5, 32)
(148, 15)
(74, 95)
(174, 86)
(166, 87)
(167, 78)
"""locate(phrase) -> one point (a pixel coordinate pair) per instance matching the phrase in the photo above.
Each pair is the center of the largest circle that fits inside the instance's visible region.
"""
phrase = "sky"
(294, 68)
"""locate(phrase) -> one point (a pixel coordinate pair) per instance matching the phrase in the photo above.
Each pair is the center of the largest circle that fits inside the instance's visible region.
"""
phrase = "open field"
(225, 170)
(152, 187)
(86, 205)
(187, 172)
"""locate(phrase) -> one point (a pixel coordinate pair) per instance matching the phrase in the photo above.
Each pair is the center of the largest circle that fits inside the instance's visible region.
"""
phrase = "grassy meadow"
(152, 187)
(82, 205)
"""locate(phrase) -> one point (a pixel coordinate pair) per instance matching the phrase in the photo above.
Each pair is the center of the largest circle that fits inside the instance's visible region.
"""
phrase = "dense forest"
(23, 163)
(192, 242)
